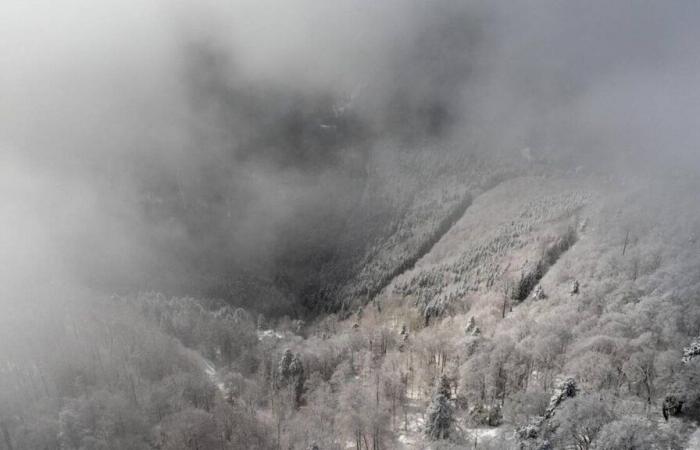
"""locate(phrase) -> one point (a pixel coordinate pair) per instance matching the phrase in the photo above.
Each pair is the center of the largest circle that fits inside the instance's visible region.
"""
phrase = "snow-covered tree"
(296, 369)
(440, 416)
(291, 375)
(444, 387)
(692, 351)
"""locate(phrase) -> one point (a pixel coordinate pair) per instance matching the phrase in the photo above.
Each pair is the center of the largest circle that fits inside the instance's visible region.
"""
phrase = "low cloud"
(149, 145)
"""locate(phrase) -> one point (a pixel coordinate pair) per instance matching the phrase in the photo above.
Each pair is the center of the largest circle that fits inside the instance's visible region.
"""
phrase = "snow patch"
(262, 334)
(483, 433)
(210, 370)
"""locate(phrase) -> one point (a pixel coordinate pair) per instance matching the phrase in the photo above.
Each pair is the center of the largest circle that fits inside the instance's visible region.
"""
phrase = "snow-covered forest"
(349, 225)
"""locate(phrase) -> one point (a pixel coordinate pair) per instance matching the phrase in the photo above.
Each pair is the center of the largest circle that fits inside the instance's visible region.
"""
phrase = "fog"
(158, 145)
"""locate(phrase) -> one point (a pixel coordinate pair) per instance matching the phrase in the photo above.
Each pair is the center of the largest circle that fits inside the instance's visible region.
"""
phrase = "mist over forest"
(261, 216)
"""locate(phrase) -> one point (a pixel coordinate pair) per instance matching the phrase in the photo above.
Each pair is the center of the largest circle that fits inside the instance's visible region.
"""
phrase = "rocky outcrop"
(672, 406)
(532, 435)
(574, 287)
(683, 398)
(566, 389)
(692, 351)
(538, 293)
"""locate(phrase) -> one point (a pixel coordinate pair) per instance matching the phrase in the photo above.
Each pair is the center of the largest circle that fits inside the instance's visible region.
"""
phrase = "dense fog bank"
(236, 150)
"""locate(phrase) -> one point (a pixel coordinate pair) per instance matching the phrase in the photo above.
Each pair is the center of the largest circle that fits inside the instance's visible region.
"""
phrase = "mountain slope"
(619, 334)
(577, 277)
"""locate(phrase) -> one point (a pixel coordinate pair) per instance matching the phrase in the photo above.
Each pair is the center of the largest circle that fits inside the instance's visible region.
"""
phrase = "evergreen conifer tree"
(440, 412)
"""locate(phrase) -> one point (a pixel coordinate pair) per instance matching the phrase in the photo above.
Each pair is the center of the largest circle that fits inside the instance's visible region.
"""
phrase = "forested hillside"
(557, 311)
(349, 224)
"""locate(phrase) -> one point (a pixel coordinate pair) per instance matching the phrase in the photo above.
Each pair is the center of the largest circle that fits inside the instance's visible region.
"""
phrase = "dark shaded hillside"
(282, 196)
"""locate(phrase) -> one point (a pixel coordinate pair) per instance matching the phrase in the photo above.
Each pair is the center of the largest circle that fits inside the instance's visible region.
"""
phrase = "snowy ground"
(211, 372)
(412, 437)
(262, 334)
(210, 369)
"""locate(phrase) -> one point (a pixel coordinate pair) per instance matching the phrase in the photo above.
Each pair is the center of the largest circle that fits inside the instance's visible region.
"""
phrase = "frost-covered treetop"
(692, 351)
